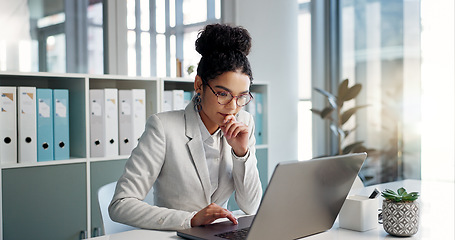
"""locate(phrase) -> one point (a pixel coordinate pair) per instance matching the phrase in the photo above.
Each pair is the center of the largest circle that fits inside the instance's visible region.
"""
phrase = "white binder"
(167, 101)
(26, 121)
(8, 125)
(97, 138)
(178, 100)
(131, 119)
(173, 100)
(111, 121)
(103, 122)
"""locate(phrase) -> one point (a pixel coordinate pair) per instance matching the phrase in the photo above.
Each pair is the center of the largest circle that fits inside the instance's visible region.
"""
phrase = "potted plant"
(334, 113)
(337, 114)
(400, 212)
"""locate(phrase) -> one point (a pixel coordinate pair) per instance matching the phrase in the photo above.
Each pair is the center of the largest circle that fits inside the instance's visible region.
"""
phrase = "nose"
(232, 104)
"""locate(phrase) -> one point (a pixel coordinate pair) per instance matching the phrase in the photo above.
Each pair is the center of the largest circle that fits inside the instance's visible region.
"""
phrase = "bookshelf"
(58, 199)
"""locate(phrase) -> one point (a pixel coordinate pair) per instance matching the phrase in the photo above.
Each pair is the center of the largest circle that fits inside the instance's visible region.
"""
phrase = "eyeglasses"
(226, 97)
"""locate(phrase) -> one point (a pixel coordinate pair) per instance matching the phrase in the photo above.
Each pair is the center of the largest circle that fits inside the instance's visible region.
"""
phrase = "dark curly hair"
(223, 49)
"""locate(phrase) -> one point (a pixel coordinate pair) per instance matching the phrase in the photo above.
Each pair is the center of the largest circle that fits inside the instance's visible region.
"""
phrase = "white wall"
(273, 27)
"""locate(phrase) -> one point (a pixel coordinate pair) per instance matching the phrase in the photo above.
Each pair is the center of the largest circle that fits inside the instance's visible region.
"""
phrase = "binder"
(259, 116)
(177, 100)
(103, 122)
(173, 100)
(8, 125)
(131, 119)
(187, 97)
(139, 118)
(167, 100)
(26, 121)
(111, 121)
(61, 124)
(45, 125)
(97, 138)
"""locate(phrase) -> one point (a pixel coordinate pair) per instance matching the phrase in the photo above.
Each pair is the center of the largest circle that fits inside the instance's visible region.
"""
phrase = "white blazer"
(170, 157)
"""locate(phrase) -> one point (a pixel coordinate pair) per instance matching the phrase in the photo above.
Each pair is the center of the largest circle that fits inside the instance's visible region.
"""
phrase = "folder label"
(7, 102)
(60, 109)
(125, 108)
(44, 110)
(27, 105)
(96, 108)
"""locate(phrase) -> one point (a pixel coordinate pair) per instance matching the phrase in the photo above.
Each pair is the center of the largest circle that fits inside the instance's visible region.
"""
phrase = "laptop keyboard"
(238, 234)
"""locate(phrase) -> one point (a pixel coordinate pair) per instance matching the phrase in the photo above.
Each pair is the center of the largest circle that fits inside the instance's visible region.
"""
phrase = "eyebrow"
(229, 90)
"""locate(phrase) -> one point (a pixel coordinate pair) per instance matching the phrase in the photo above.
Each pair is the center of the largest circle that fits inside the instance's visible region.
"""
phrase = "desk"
(436, 216)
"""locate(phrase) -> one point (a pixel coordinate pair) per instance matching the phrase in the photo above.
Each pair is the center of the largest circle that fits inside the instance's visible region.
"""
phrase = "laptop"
(303, 198)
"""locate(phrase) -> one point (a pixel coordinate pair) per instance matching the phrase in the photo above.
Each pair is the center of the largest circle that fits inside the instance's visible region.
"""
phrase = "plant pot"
(400, 218)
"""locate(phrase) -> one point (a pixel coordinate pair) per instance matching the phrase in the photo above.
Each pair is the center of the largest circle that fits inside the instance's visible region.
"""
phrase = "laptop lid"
(303, 198)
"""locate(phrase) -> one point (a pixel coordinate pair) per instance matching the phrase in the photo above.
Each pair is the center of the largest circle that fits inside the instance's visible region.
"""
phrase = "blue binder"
(45, 125)
(61, 124)
(259, 131)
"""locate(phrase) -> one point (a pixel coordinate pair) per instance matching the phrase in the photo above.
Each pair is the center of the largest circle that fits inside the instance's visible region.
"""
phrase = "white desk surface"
(436, 216)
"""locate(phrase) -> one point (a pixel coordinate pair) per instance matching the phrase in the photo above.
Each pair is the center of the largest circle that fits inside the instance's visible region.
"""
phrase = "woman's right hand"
(211, 213)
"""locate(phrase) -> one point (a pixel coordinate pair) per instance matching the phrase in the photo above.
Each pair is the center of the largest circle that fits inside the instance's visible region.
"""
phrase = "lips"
(226, 114)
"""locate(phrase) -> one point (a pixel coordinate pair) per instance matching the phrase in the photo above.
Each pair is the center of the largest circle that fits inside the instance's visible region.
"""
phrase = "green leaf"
(330, 97)
(326, 112)
(349, 148)
(348, 113)
(389, 191)
(401, 191)
(352, 92)
(342, 90)
(400, 196)
(360, 149)
(315, 111)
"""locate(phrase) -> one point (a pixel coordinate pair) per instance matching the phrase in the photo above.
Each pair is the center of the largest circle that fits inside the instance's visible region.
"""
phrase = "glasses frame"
(236, 97)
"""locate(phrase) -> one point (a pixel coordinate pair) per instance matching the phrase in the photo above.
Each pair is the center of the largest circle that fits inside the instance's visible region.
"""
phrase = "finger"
(226, 128)
(224, 213)
(235, 129)
(232, 218)
(229, 118)
(238, 130)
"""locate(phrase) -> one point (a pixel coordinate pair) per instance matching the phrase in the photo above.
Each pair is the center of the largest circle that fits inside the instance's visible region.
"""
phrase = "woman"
(195, 158)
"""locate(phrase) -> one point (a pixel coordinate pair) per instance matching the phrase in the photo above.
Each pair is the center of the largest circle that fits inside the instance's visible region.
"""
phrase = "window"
(52, 36)
(438, 89)
(305, 89)
(161, 34)
(402, 52)
(391, 48)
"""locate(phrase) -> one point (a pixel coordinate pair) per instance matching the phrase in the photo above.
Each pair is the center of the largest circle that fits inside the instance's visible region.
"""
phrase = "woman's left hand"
(236, 134)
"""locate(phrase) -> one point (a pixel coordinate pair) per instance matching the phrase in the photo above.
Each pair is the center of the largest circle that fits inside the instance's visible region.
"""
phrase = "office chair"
(105, 194)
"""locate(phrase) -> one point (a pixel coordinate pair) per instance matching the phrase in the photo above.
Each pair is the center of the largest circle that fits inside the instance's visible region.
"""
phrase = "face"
(212, 113)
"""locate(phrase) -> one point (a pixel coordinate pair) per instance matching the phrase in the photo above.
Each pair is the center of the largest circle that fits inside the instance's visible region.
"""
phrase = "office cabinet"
(44, 202)
(102, 173)
(58, 199)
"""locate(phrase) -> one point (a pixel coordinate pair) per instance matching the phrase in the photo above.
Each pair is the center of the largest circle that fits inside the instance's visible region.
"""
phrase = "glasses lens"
(224, 97)
(243, 100)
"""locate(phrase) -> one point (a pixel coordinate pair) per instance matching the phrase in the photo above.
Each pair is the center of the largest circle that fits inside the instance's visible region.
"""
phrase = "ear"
(198, 84)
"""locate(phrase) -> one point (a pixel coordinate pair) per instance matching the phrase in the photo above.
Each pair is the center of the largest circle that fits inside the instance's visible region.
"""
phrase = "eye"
(223, 94)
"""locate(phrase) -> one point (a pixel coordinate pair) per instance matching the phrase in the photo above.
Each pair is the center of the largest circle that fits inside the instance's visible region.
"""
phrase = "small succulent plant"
(400, 196)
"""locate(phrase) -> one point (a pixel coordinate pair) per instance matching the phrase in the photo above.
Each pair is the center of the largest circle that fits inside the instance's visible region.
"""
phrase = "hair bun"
(223, 38)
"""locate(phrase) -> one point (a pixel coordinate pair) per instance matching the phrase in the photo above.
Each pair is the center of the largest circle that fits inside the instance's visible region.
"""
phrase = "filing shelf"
(61, 184)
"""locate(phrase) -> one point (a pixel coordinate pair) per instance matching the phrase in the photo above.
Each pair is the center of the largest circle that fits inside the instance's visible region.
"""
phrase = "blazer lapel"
(196, 147)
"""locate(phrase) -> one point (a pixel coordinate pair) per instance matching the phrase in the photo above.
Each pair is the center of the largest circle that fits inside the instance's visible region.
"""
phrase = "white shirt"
(212, 147)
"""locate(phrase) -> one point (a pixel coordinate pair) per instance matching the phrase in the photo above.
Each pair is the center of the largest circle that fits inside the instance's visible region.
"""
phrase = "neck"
(211, 126)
